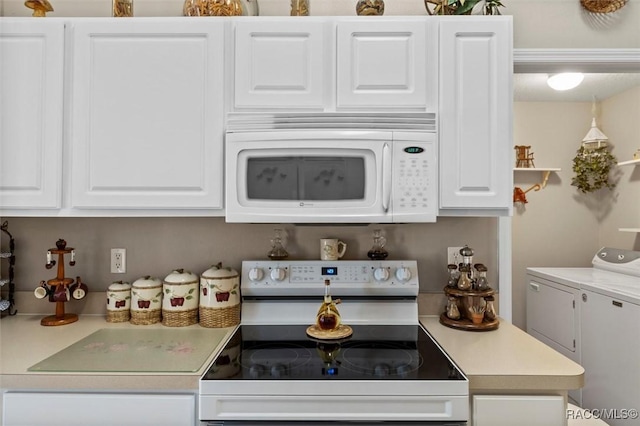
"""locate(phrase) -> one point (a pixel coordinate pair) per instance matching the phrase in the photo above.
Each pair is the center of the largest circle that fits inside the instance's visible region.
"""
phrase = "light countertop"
(504, 359)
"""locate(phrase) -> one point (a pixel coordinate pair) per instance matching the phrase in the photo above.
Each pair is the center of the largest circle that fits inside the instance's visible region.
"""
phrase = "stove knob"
(403, 274)
(256, 274)
(381, 274)
(278, 274)
(256, 371)
(278, 370)
(381, 370)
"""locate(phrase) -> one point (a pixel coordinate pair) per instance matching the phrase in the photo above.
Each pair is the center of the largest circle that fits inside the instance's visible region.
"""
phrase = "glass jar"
(481, 280)
(454, 275)
(277, 251)
(452, 309)
(490, 310)
(299, 7)
(220, 8)
(378, 252)
(464, 282)
(328, 317)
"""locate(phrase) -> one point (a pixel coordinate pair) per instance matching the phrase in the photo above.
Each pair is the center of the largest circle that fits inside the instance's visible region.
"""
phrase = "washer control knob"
(278, 274)
(403, 274)
(381, 274)
(256, 274)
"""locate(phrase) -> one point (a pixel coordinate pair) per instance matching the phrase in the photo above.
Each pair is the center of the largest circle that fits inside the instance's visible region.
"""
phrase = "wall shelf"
(536, 169)
(629, 229)
(630, 162)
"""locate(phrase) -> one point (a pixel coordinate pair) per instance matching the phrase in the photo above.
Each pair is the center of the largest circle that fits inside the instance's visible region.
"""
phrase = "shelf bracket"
(519, 195)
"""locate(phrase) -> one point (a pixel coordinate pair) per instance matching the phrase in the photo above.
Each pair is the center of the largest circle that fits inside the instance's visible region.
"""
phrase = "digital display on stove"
(330, 271)
(373, 352)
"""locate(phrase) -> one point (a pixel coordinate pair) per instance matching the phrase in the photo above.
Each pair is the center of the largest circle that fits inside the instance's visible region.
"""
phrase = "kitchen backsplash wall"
(156, 246)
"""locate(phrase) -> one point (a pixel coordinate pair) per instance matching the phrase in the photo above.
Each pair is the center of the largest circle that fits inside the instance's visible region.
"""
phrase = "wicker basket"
(602, 6)
(118, 316)
(179, 318)
(145, 317)
(220, 317)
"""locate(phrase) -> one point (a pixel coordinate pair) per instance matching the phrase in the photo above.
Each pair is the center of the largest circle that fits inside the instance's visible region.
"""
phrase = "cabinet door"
(390, 64)
(146, 128)
(31, 95)
(476, 113)
(610, 352)
(93, 408)
(508, 410)
(280, 65)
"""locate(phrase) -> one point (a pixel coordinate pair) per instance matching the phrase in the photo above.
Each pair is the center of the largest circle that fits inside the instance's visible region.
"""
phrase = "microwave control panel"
(415, 171)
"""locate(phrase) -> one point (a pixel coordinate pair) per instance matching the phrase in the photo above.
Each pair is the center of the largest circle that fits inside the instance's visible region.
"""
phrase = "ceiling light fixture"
(565, 80)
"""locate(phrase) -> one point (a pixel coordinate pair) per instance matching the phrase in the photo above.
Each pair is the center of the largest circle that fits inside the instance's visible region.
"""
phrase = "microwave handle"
(386, 177)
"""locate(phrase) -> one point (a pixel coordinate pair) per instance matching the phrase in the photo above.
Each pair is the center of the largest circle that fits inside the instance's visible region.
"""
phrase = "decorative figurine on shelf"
(39, 7)
(370, 7)
(378, 252)
(524, 158)
(60, 289)
(299, 7)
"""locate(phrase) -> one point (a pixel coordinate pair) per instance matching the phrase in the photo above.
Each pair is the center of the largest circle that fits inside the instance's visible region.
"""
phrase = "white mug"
(332, 248)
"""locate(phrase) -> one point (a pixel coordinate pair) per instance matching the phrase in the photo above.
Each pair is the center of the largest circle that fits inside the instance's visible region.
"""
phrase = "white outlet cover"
(453, 255)
(118, 261)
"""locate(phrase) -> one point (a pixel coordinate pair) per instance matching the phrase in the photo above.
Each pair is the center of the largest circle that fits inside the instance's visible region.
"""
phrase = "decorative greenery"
(461, 7)
(592, 167)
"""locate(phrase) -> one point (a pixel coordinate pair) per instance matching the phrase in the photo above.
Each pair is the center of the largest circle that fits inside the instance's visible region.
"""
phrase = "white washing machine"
(592, 316)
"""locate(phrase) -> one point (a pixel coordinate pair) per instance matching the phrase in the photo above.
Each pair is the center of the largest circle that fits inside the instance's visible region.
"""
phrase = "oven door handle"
(386, 177)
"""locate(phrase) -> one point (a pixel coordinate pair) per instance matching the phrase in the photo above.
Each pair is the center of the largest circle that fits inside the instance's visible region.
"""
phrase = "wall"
(537, 23)
(156, 246)
(560, 226)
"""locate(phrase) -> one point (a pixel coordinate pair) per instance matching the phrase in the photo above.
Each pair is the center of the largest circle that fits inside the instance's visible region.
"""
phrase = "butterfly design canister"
(219, 297)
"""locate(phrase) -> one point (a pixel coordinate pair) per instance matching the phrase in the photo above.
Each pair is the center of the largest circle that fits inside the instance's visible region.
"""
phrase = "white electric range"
(389, 372)
(592, 315)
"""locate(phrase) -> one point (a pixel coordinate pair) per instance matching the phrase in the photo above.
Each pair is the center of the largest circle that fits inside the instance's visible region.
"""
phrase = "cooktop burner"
(373, 352)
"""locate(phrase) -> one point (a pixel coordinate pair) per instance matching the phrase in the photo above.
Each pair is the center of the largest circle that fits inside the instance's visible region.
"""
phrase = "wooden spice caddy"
(465, 323)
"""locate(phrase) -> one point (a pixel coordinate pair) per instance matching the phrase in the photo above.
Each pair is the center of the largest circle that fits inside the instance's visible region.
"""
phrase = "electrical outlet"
(118, 261)
(453, 255)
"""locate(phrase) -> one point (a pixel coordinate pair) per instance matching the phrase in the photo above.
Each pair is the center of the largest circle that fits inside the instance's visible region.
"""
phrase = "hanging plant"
(461, 7)
(592, 167)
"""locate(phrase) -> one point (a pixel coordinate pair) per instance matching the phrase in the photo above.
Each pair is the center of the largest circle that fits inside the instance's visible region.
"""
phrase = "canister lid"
(217, 271)
(180, 276)
(119, 286)
(146, 282)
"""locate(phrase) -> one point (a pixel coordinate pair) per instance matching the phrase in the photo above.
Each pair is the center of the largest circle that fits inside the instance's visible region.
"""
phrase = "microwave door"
(272, 178)
(332, 179)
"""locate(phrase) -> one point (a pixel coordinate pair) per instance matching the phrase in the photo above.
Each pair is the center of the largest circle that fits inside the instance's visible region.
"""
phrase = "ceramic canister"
(118, 302)
(146, 300)
(219, 287)
(180, 298)
(119, 296)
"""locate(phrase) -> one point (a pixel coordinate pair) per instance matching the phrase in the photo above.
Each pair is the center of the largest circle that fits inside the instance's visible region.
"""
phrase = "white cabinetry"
(81, 409)
(610, 330)
(31, 120)
(476, 154)
(146, 114)
(508, 410)
(332, 64)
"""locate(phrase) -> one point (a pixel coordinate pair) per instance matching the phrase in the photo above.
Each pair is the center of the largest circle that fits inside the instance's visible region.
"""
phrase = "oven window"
(306, 178)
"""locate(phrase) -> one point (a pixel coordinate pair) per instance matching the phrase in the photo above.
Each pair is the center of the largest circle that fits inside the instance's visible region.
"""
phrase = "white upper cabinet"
(31, 120)
(476, 103)
(328, 64)
(146, 129)
(387, 64)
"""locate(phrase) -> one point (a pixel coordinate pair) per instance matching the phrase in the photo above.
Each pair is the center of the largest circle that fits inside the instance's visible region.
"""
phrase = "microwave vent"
(240, 121)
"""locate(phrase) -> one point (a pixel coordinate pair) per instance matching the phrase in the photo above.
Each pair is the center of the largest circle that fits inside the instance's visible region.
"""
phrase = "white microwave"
(331, 176)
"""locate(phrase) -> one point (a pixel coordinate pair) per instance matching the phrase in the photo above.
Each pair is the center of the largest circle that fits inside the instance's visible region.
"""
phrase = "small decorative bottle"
(328, 317)
(378, 252)
(277, 252)
(454, 275)
(299, 7)
(122, 8)
(452, 309)
(490, 310)
(464, 282)
(481, 281)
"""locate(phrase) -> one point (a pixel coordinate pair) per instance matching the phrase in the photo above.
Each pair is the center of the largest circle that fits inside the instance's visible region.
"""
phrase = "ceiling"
(533, 87)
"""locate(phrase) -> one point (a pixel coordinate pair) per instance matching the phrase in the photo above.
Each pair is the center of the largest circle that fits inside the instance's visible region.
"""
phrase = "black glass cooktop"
(373, 352)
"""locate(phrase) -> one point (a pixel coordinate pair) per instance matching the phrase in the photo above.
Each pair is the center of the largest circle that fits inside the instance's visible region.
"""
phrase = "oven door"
(312, 176)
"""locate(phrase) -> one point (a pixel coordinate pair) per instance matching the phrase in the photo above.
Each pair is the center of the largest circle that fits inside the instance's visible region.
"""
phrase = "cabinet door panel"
(476, 113)
(384, 64)
(147, 115)
(280, 65)
(31, 96)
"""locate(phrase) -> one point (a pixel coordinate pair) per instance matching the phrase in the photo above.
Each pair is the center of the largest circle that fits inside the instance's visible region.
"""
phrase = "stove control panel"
(348, 277)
